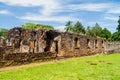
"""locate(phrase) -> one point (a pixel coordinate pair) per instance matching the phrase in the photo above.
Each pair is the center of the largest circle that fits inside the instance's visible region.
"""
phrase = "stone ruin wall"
(24, 58)
(78, 45)
(48, 44)
(112, 47)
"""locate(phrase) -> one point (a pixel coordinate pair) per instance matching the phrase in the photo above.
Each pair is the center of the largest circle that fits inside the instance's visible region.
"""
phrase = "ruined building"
(21, 40)
(24, 46)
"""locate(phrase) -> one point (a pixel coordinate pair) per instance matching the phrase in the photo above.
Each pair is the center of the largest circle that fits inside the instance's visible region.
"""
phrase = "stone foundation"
(23, 58)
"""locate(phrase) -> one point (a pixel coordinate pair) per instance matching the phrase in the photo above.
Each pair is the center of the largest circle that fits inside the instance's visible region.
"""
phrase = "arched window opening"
(96, 44)
(102, 44)
(76, 43)
(88, 42)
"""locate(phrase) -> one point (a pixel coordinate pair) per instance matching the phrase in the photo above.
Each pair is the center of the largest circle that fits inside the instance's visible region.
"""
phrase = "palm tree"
(69, 26)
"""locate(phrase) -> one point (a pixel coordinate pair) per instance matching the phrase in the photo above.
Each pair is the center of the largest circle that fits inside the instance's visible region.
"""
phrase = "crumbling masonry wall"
(23, 58)
(25, 46)
(112, 47)
(78, 45)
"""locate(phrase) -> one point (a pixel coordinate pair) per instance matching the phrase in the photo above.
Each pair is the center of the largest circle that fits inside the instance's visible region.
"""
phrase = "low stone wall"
(23, 58)
(112, 47)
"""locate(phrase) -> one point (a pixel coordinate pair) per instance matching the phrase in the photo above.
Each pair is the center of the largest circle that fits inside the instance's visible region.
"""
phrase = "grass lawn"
(99, 67)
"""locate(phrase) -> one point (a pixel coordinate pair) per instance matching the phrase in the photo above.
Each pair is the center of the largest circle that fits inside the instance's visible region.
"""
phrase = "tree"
(3, 32)
(29, 25)
(116, 36)
(118, 28)
(106, 34)
(97, 30)
(78, 28)
(41, 26)
(89, 31)
(34, 26)
(69, 27)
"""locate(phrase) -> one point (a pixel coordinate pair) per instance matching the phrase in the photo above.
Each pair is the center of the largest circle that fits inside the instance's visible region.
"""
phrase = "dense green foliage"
(69, 27)
(34, 26)
(95, 31)
(99, 67)
(3, 32)
(89, 31)
(76, 28)
(106, 34)
(116, 35)
(118, 28)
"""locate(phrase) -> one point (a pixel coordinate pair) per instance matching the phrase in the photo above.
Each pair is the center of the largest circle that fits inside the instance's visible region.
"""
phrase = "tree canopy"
(116, 35)
(33, 26)
(78, 28)
(96, 30)
(106, 34)
(3, 32)
(118, 28)
(89, 31)
(69, 27)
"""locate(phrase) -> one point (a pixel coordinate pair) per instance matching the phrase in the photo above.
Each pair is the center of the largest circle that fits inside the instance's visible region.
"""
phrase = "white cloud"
(46, 11)
(28, 3)
(46, 14)
(90, 6)
(37, 17)
(4, 12)
(110, 17)
(51, 6)
(61, 27)
(114, 10)
(48, 6)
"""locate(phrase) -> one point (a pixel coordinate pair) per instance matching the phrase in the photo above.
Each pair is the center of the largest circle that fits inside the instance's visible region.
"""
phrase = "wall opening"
(48, 45)
(88, 42)
(17, 43)
(56, 45)
(102, 44)
(76, 42)
(96, 44)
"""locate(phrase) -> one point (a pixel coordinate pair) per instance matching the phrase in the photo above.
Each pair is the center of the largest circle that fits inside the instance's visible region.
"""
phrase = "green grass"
(105, 67)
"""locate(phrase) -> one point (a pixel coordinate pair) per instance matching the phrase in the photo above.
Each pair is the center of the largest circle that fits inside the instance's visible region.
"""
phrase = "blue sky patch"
(57, 12)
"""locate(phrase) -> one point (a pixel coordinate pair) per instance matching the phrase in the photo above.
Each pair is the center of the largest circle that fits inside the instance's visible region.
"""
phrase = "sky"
(14, 13)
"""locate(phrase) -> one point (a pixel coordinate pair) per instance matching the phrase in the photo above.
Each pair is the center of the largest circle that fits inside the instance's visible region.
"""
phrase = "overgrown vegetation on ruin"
(99, 67)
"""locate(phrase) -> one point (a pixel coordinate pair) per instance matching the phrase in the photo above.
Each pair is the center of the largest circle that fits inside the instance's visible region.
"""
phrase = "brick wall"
(23, 58)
